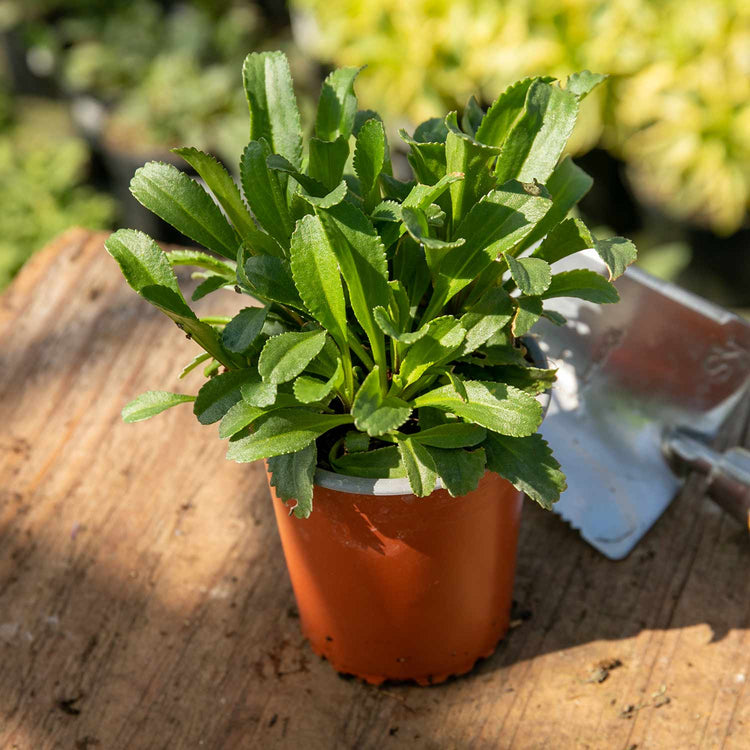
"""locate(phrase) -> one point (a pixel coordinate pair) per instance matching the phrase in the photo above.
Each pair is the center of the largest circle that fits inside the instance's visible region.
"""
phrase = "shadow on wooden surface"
(144, 601)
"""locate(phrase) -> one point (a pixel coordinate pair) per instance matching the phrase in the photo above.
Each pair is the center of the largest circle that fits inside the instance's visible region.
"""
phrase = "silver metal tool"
(643, 387)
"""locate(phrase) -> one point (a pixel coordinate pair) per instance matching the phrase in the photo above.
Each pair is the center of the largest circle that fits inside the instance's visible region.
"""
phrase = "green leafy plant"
(385, 341)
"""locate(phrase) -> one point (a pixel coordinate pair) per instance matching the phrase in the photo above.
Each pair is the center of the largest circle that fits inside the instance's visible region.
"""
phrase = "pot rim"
(400, 486)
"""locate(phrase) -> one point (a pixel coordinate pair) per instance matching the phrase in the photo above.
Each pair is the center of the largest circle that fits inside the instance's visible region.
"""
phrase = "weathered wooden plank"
(144, 601)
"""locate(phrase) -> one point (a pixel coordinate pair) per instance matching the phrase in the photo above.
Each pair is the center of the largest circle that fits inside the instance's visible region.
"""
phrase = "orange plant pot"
(397, 587)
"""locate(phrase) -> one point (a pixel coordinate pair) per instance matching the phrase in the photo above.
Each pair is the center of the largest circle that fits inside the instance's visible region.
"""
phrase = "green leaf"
(327, 160)
(495, 225)
(583, 83)
(238, 416)
(568, 237)
(311, 191)
(426, 159)
(504, 112)
(420, 468)
(184, 204)
(400, 310)
(533, 380)
(327, 362)
(389, 328)
(375, 413)
(333, 198)
(361, 258)
(433, 130)
(218, 395)
(150, 403)
(583, 284)
(411, 269)
(273, 107)
(308, 390)
(281, 432)
(147, 270)
(285, 356)
(429, 417)
(472, 117)
(199, 259)
(256, 392)
(458, 384)
(394, 189)
(272, 279)
(210, 284)
(264, 192)
(337, 106)
(292, 475)
(141, 260)
(528, 312)
(531, 275)
(369, 160)
(193, 364)
(618, 253)
(528, 464)
(497, 407)
(493, 312)
(537, 139)
(460, 471)
(316, 275)
(567, 184)
(451, 435)
(422, 196)
(243, 330)
(442, 339)
(415, 222)
(554, 317)
(224, 189)
(356, 442)
(471, 158)
(172, 305)
(379, 463)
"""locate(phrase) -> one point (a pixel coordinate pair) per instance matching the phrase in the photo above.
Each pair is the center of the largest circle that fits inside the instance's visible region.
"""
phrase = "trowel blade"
(660, 358)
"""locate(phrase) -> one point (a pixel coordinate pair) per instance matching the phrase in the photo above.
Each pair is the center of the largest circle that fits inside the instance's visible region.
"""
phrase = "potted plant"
(381, 372)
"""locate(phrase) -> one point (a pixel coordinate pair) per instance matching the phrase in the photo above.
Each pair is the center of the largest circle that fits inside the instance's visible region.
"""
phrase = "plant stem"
(359, 350)
(215, 320)
(348, 396)
(423, 382)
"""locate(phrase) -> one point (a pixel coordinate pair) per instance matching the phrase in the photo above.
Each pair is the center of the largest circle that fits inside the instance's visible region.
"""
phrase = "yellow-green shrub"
(677, 107)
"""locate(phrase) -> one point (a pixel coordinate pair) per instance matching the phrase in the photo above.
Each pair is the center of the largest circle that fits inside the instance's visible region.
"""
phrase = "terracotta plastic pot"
(393, 586)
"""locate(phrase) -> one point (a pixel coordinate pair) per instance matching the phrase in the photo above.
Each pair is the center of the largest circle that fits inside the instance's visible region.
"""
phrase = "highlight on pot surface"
(382, 338)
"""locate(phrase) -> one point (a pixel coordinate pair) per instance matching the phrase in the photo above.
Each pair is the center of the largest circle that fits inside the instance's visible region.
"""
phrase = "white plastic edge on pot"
(400, 486)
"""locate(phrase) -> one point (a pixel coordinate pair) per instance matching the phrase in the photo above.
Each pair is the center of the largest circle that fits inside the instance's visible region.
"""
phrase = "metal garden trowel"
(643, 386)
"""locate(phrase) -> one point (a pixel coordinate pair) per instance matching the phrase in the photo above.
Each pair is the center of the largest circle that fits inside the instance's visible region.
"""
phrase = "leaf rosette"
(383, 338)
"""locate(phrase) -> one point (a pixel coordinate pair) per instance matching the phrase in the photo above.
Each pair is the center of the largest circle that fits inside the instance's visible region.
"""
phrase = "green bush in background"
(677, 107)
(161, 74)
(42, 190)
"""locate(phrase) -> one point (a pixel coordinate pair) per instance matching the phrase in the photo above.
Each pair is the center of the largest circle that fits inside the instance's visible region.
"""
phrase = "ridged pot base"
(425, 680)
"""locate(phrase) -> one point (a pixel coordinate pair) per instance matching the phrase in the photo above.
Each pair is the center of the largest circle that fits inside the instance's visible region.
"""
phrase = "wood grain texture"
(144, 601)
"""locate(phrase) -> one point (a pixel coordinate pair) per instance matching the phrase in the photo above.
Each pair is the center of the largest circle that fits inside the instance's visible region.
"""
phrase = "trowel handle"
(728, 473)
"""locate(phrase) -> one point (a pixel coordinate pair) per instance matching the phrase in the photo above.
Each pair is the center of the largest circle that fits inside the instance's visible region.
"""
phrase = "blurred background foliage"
(676, 108)
(667, 138)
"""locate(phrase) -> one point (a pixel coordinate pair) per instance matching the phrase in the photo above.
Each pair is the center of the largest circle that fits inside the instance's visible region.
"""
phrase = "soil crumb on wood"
(600, 671)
